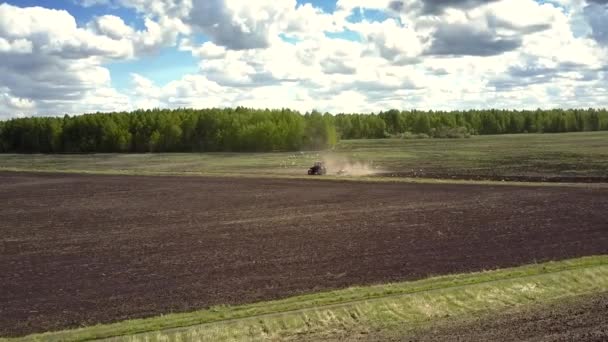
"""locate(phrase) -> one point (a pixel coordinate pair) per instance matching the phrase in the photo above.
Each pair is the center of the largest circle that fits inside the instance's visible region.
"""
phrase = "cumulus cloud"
(111, 26)
(234, 24)
(428, 54)
(55, 66)
(239, 24)
(539, 71)
(392, 41)
(49, 63)
(157, 34)
(189, 91)
(54, 32)
(435, 6)
(13, 106)
(16, 46)
(492, 30)
(460, 39)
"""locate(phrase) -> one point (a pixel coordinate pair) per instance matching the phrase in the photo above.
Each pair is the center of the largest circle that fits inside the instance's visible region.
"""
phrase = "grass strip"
(368, 307)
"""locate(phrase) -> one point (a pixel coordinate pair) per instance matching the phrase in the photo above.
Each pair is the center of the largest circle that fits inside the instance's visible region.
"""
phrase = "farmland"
(535, 157)
(459, 305)
(303, 170)
(244, 246)
(84, 249)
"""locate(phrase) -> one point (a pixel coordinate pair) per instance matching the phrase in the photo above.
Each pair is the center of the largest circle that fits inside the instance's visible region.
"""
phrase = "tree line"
(244, 129)
(179, 130)
(482, 122)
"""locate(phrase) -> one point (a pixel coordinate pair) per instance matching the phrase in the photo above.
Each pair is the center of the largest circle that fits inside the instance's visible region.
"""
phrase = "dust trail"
(341, 165)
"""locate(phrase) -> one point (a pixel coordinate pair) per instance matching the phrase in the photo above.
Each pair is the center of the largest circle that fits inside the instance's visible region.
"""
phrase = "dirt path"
(78, 250)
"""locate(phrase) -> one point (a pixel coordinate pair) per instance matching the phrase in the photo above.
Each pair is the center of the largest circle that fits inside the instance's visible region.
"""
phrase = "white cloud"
(54, 32)
(17, 46)
(392, 41)
(112, 26)
(350, 5)
(428, 54)
(13, 106)
(158, 33)
(55, 67)
(206, 51)
(235, 24)
(189, 91)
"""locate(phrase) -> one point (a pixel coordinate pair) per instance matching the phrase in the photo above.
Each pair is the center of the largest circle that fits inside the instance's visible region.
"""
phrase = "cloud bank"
(364, 56)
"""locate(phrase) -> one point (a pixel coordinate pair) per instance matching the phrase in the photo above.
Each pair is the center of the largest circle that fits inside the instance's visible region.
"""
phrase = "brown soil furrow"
(83, 249)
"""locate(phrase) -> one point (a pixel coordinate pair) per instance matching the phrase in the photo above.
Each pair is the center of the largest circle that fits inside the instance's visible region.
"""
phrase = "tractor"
(318, 169)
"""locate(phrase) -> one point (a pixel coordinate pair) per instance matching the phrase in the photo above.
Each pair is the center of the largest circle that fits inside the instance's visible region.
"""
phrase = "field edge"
(563, 278)
(330, 178)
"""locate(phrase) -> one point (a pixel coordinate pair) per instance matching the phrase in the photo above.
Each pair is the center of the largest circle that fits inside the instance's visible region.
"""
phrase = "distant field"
(544, 155)
(564, 157)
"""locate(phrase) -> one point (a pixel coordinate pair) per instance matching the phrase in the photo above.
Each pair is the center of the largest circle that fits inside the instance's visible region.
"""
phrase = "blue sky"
(83, 14)
(161, 66)
(166, 64)
(169, 64)
(72, 56)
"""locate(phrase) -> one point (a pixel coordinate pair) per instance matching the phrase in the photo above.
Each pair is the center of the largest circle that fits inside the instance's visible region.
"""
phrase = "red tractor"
(318, 169)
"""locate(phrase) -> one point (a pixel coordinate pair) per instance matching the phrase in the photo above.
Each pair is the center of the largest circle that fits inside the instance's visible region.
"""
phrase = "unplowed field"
(80, 249)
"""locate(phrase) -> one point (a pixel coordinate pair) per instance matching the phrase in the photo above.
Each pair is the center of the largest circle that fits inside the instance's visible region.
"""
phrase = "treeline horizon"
(392, 123)
(260, 130)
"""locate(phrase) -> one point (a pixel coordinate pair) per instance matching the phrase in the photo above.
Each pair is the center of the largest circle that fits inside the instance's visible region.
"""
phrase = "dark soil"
(78, 249)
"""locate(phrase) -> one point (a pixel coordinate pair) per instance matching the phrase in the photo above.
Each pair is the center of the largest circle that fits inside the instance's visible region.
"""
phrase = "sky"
(79, 56)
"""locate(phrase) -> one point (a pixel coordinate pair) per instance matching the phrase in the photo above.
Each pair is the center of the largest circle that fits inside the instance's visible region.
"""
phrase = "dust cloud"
(339, 165)
(336, 165)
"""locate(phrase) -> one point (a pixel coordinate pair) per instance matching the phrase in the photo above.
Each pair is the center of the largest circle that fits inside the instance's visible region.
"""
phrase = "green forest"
(243, 129)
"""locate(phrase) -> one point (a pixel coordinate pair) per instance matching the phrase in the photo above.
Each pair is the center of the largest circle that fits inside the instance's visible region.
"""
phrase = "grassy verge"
(575, 318)
(373, 307)
(545, 155)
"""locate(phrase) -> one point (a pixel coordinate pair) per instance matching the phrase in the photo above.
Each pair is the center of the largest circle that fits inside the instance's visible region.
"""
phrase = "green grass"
(568, 154)
(407, 304)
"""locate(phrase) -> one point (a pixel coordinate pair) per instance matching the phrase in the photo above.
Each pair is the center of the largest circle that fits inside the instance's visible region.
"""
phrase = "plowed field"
(81, 249)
